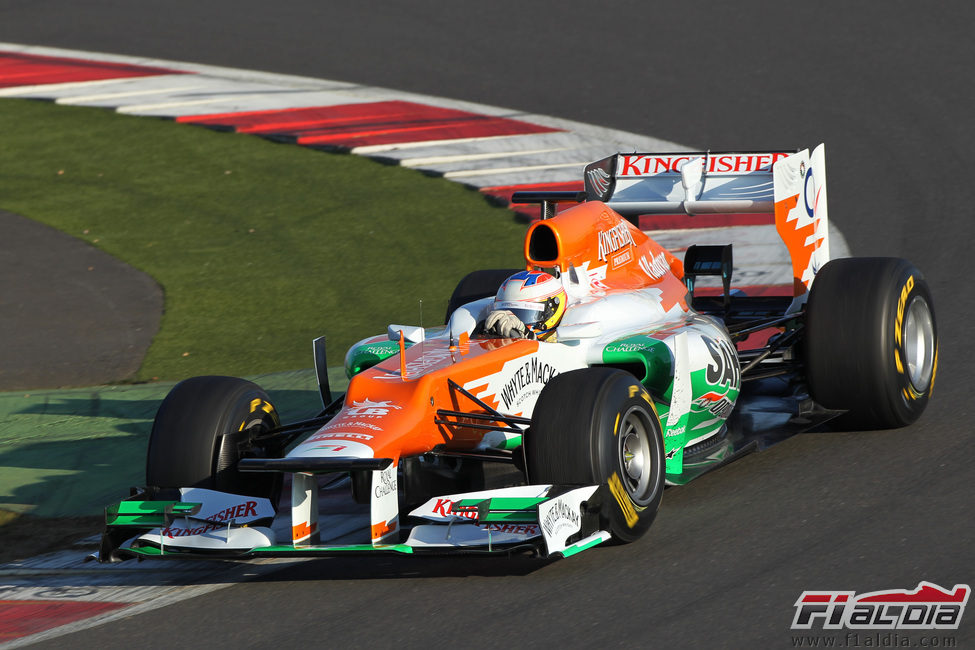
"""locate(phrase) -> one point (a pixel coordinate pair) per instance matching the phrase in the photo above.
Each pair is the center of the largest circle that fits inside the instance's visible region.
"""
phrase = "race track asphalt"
(70, 314)
(886, 86)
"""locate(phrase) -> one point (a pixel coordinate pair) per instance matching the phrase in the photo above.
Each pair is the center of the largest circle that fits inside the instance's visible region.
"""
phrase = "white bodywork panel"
(680, 404)
(471, 535)
(562, 517)
(384, 506)
(189, 534)
(304, 509)
(228, 508)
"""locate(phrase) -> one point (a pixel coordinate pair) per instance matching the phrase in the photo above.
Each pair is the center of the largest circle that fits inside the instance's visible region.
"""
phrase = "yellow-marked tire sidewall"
(905, 398)
(854, 346)
(202, 429)
(626, 517)
(574, 441)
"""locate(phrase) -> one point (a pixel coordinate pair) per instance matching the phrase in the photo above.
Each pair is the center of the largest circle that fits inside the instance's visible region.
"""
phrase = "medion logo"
(656, 267)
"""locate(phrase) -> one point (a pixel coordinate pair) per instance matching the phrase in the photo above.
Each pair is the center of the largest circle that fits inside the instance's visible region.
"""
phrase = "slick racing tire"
(597, 426)
(477, 285)
(203, 427)
(871, 343)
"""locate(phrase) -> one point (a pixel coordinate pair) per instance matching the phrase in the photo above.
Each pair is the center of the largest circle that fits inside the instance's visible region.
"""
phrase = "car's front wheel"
(597, 426)
(203, 427)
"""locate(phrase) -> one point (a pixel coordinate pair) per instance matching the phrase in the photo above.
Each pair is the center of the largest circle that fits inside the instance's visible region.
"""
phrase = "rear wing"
(694, 183)
(789, 185)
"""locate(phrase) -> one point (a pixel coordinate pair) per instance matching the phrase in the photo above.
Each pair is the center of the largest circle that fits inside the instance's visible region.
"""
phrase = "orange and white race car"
(609, 377)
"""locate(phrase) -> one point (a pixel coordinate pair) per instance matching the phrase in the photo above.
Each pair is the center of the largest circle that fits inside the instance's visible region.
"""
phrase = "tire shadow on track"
(71, 452)
(371, 567)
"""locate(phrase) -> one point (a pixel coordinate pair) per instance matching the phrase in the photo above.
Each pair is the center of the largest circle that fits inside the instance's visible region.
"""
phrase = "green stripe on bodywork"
(510, 517)
(146, 513)
(367, 355)
(658, 362)
(652, 354)
(502, 503)
(510, 442)
(578, 547)
(507, 439)
(503, 509)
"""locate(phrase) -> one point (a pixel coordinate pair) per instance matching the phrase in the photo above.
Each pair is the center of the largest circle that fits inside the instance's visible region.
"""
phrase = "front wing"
(545, 520)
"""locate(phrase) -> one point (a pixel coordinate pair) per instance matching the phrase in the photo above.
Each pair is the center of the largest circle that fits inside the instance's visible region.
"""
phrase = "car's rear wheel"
(477, 285)
(597, 426)
(871, 343)
(203, 427)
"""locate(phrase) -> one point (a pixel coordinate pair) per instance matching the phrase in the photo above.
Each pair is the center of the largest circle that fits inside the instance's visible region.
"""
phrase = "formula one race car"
(613, 376)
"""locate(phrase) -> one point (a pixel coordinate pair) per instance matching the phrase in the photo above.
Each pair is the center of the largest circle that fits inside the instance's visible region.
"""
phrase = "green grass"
(71, 451)
(259, 247)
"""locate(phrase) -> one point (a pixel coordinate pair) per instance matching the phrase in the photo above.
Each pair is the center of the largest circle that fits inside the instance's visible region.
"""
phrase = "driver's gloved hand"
(505, 324)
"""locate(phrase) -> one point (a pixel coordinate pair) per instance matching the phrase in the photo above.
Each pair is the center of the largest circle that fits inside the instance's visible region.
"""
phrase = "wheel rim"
(918, 336)
(635, 456)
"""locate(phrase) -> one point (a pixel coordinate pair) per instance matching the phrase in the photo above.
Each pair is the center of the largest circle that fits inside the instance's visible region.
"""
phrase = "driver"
(529, 304)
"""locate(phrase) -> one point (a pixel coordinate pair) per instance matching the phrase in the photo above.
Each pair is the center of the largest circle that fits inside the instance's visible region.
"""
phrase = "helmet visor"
(531, 314)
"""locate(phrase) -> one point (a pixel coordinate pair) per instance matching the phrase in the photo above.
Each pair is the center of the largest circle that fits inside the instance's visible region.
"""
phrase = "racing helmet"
(536, 298)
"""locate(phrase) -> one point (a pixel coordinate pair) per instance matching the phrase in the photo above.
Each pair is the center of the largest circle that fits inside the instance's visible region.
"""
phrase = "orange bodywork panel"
(395, 411)
(795, 240)
(592, 236)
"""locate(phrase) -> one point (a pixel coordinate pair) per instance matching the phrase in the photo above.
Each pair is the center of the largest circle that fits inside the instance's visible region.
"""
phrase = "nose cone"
(389, 415)
(337, 444)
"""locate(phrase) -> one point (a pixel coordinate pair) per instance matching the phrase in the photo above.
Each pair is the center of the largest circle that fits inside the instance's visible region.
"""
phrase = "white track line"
(18, 91)
(155, 600)
(466, 173)
(373, 149)
(165, 106)
(435, 160)
(86, 99)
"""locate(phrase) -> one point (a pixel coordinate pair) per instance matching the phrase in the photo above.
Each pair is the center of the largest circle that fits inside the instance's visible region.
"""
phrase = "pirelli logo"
(619, 493)
(905, 292)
